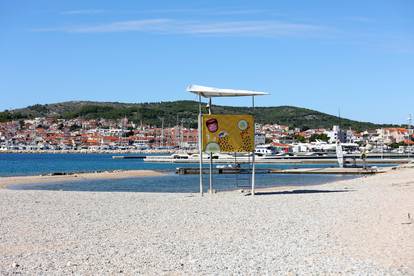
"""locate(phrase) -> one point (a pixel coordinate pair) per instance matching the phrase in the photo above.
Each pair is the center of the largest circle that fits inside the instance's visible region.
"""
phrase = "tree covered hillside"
(173, 112)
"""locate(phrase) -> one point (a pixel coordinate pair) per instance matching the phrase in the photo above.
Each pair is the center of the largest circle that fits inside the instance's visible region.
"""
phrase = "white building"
(259, 139)
(336, 133)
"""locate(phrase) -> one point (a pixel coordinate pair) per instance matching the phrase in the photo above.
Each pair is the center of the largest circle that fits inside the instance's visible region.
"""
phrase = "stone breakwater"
(361, 226)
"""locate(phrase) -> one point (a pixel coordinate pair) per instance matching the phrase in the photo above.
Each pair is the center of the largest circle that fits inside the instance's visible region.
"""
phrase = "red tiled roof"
(111, 138)
(280, 145)
(408, 142)
(396, 129)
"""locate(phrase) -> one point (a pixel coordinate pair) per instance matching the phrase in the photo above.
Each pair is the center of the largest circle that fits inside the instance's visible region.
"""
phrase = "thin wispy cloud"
(188, 11)
(360, 19)
(147, 25)
(83, 12)
(241, 12)
(173, 26)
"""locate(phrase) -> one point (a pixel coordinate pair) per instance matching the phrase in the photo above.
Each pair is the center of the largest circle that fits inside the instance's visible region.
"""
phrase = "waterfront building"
(392, 135)
(336, 134)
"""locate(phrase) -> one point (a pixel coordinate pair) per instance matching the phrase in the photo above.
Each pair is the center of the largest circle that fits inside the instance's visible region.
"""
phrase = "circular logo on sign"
(243, 124)
(212, 147)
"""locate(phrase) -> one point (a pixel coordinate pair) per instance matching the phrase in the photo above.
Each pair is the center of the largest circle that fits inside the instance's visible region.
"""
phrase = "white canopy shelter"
(212, 92)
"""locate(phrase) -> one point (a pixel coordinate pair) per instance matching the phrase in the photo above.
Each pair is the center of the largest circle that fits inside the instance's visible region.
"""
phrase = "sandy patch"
(17, 180)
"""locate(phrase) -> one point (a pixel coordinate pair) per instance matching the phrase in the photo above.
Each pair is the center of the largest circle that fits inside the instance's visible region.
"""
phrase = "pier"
(347, 171)
(128, 157)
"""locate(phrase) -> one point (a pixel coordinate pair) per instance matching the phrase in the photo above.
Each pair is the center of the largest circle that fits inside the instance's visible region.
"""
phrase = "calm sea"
(36, 164)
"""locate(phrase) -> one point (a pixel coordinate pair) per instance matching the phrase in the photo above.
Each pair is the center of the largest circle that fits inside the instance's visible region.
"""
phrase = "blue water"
(36, 164)
(184, 183)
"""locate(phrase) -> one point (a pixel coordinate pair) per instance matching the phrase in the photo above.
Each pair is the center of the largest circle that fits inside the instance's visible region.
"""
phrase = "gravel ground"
(358, 227)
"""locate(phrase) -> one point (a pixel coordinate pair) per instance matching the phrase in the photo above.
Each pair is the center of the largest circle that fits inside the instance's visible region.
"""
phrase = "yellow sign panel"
(228, 133)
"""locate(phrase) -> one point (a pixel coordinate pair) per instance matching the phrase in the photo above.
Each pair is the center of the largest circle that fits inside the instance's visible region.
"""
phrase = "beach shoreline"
(70, 177)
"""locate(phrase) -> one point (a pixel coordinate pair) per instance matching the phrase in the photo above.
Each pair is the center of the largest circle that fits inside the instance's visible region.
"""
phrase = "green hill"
(173, 112)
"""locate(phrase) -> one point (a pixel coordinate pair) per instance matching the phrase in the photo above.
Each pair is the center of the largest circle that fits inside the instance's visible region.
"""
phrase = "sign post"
(200, 150)
(211, 154)
(224, 133)
(253, 153)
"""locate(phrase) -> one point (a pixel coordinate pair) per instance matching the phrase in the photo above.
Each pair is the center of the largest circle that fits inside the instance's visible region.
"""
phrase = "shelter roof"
(210, 92)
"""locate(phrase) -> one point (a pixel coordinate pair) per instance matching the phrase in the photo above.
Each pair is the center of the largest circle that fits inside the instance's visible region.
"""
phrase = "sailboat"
(339, 154)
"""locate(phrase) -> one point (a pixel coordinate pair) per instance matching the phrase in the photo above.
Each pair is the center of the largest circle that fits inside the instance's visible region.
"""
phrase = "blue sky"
(356, 56)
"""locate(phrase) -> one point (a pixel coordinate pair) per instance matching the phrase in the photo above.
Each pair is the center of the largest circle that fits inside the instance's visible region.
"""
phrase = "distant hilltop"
(177, 111)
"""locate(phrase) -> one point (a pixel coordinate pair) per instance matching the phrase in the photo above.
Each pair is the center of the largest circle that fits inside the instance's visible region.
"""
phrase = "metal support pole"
(211, 173)
(211, 155)
(253, 153)
(253, 173)
(200, 149)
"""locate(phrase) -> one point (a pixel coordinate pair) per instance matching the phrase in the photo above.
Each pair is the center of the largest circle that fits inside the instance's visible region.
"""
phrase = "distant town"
(48, 134)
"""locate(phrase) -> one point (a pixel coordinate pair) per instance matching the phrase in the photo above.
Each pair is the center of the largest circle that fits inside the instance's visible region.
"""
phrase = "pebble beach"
(362, 226)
